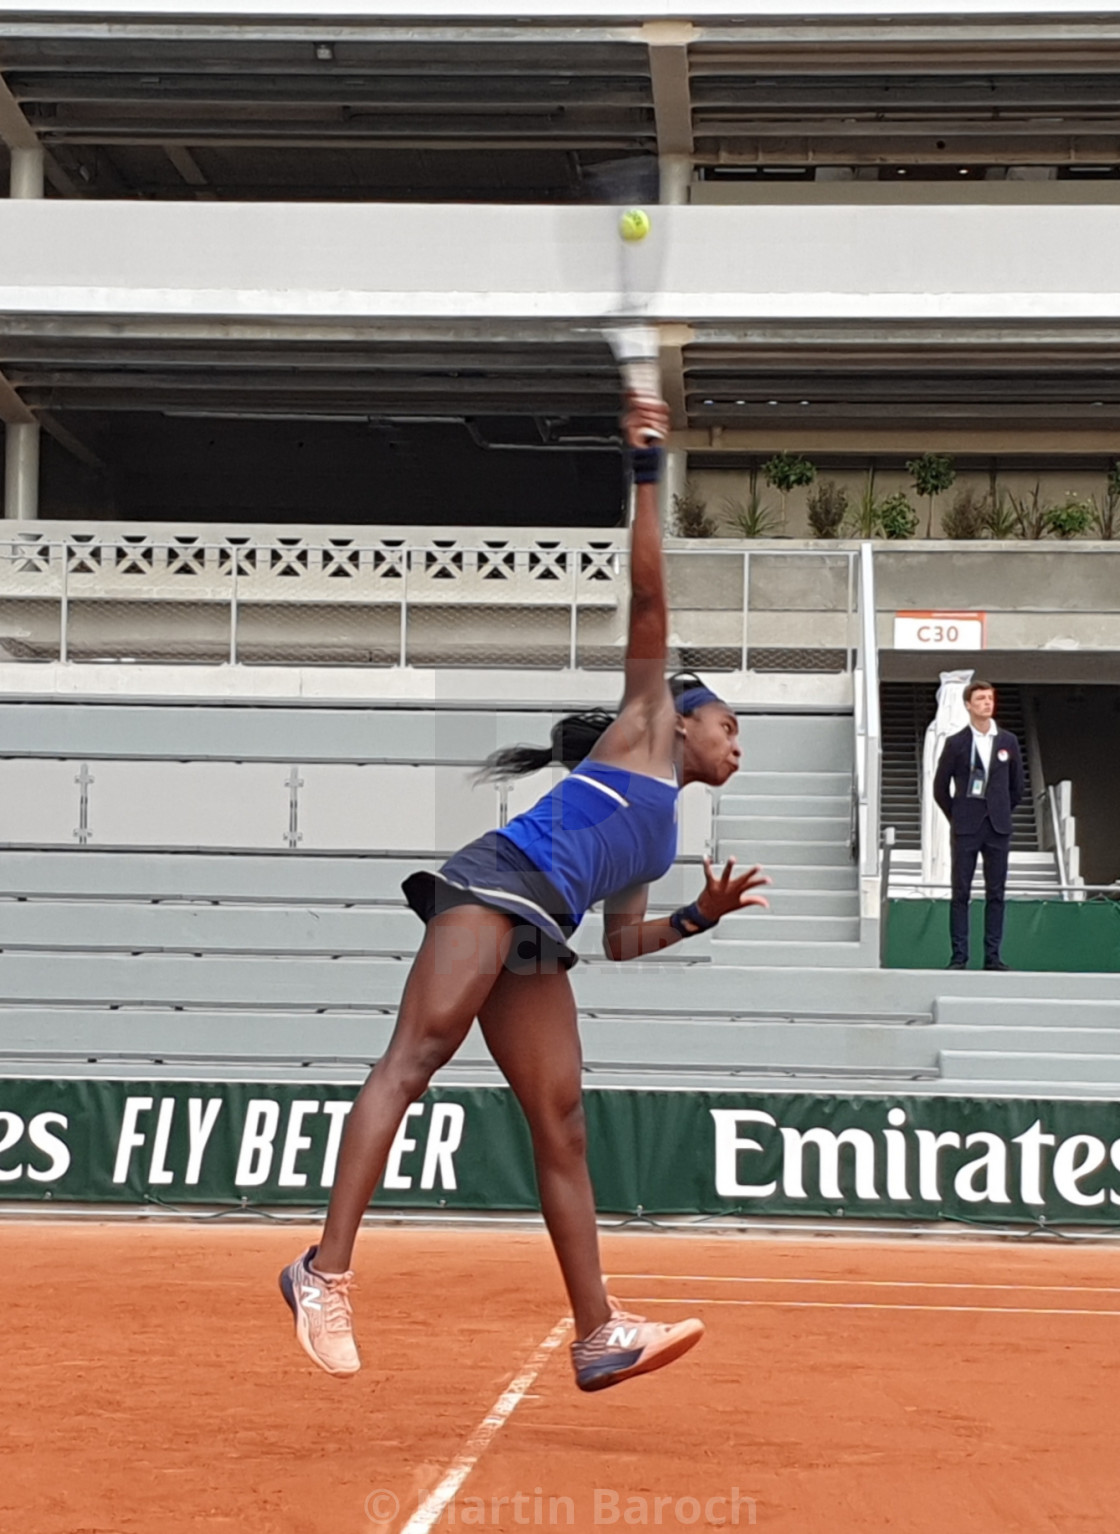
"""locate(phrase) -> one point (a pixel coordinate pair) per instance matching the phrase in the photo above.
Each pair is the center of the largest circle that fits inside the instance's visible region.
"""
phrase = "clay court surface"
(152, 1384)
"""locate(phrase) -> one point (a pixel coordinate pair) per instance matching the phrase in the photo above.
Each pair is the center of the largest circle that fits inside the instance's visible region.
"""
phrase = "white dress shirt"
(983, 743)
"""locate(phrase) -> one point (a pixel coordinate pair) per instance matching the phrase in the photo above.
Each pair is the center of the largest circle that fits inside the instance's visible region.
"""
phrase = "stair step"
(795, 902)
(1026, 1011)
(803, 806)
(789, 852)
(1001, 1065)
(767, 828)
(787, 783)
(764, 926)
(766, 954)
(814, 878)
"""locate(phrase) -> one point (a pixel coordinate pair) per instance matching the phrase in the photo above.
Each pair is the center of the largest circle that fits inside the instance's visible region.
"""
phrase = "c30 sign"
(939, 631)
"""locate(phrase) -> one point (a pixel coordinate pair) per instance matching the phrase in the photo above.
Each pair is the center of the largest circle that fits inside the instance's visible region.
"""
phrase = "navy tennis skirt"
(493, 871)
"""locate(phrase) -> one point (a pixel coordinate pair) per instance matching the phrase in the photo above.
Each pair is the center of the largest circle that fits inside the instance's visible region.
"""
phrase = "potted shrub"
(690, 515)
(828, 507)
(1106, 514)
(785, 472)
(897, 518)
(751, 518)
(932, 473)
(999, 516)
(1030, 518)
(968, 516)
(1071, 519)
(863, 519)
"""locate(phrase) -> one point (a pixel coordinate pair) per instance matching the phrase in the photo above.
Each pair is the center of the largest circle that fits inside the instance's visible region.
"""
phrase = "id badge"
(976, 783)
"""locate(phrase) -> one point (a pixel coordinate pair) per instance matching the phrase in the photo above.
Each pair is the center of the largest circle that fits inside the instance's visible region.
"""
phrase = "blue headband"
(695, 697)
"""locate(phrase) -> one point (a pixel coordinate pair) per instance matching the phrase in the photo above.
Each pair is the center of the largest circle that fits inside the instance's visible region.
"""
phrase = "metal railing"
(1020, 891)
(1063, 829)
(452, 597)
(1056, 829)
(868, 733)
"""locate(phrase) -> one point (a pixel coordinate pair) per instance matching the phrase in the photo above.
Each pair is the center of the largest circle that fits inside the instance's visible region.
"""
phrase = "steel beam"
(30, 161)
(15, 130)
(73, 444)
(13, 411)
(27, 173)
(669, 43)
(21, 471)
(188, 167)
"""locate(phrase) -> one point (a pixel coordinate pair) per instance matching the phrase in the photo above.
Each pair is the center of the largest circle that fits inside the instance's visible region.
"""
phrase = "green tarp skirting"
(1079, 935)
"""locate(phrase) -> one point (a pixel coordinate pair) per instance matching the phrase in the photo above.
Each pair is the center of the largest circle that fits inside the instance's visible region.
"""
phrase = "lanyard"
(977, 774)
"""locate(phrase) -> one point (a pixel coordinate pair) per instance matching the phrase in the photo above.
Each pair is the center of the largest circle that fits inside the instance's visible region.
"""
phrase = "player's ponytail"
(572, 738)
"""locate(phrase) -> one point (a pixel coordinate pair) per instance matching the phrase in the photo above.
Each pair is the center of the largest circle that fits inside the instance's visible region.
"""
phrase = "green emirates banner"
(666, 1152)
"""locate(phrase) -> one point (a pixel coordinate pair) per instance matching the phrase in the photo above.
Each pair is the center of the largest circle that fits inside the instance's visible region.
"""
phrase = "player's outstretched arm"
(641, 739)
(644, 426)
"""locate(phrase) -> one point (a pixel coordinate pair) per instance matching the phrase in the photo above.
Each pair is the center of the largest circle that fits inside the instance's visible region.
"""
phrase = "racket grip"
(642, 377)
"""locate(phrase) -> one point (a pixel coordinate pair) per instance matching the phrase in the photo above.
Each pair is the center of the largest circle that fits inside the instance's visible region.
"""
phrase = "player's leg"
(529, 1022)
(457, 965)
(454, 970)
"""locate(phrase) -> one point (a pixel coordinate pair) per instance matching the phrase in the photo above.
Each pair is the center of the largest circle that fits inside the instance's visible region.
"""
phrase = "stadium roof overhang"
(148, 101)
(737, 378)
(141, 102)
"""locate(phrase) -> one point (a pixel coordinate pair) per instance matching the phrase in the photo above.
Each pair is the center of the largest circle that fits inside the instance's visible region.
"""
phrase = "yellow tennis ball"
(634, 224)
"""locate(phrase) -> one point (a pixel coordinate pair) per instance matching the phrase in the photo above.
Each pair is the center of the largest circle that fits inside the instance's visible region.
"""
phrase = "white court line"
(976, 1310)
(875, 1283)
(431, 1509)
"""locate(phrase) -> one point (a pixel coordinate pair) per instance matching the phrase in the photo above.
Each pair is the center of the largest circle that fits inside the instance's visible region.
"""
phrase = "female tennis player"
(498, 917)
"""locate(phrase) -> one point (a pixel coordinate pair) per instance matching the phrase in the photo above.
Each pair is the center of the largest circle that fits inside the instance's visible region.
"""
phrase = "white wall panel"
(416, 809)
(39, 802)
(461, 264)
(188, 804)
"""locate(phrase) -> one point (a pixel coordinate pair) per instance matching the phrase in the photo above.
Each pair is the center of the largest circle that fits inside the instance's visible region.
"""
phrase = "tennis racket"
(629, 190)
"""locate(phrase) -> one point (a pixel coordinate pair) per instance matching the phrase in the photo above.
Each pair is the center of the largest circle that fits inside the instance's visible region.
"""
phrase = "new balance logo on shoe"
(623, 1337)
(323, 1319)
(628, 1345)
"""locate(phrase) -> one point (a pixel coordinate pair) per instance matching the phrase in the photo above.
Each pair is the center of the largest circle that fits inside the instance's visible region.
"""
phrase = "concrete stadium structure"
(230, 722)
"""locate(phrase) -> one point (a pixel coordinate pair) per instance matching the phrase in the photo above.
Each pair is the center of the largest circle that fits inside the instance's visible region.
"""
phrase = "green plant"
(1072, 518)
(828, 506)
(690, 515)
(932, 473)
(897, 517)
(785, 472)
(750, 518)
(1031, 519)
(967, 517)
(999, 516)
(863, 519)
(1106, 514)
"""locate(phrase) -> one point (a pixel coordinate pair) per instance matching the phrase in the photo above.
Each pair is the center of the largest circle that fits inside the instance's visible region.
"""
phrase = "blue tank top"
(600, 830)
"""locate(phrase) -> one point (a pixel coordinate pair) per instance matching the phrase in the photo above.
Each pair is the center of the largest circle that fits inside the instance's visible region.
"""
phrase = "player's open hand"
(728, 891)
(644, 420)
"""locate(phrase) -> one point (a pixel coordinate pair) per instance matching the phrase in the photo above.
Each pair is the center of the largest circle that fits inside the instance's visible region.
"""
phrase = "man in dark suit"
(978, 783)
